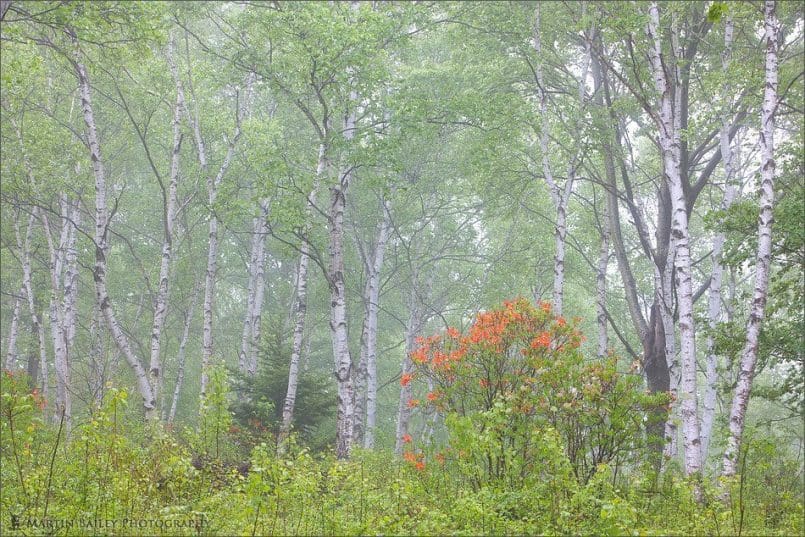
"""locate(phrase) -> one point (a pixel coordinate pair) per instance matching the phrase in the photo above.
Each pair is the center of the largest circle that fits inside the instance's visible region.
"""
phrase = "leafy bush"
(518, 374)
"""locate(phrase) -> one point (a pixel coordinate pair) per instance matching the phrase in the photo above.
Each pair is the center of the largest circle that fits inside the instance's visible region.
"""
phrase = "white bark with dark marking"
(169, 217)
(366, 374)
(247, 359)
(757, 310)
(560, 196)
(180, 357)
(11, 345)
(101, 236)
(667, 122)
(213, 182)
(300, 304)
(601, 286)
(714, 301)
(24, 247)
(338, 318)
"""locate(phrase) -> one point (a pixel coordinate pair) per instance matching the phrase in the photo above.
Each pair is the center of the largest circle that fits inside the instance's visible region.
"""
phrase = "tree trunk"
(669, 141)
(247, 362)
(36, 323)
(601, 286)
(559, 196)
(212, 245)
(412, 329)
(58, 332)
(714, 297)
(300, 307)
(169, 217)
(245, 339)
(371, 346)
(11, 345)
(366, 376)
(652, 333)
(101, 236)
(749, 354)
(345, 414)
(180, 357)
(338, 319)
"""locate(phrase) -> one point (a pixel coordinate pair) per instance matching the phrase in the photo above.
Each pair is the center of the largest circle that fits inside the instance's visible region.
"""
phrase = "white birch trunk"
(559, 196)
(101, 235)
(169, 217)
(180, 357)
(746, 374)
(257, 314)
(71, 278)
(601, 286)
(246, 339)
(300, 305)
(63, 407)
(338, 320)
(212, 245)
(714, 291)
(345, 414)
(11, 345)
(373, 306)
(413, 327)
(669, 141)
(36, 321)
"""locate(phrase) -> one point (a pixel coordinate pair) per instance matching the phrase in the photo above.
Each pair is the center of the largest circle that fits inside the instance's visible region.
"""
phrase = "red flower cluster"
(406, 379)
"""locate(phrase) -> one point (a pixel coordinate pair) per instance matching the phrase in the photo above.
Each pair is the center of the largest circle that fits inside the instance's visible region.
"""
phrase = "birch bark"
(743, 388)
(213, 182)
(101, 240)
(560, 196)
(601, 286)
(366, 374)
(168, 222)
(180, 357)
(11, 345)
(669, 142)
(716, 278)
(412, 328)
(24, 247)
(300, 307)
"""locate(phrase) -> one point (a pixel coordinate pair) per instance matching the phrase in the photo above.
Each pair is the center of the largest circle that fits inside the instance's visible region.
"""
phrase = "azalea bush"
(517, 374)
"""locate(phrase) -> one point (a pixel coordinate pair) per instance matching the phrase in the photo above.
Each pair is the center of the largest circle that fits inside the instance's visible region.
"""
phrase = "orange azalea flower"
(561, 321)
(440, 457)
(413, 403)
(409, 456)
(542, 340)
(484, 383)
(419, 356)
(545, 306)
(419, 465)
(453, 333)
(432, 396)
(406, 379)
(407, 438)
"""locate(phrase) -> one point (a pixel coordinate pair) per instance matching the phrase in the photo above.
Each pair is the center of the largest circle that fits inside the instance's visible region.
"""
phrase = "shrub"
(517, 374)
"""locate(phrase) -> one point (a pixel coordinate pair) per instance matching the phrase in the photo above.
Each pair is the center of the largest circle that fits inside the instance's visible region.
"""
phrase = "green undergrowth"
(102, 482)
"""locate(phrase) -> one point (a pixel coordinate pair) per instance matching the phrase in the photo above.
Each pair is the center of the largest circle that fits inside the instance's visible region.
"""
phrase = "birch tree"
(743, 389)
(366, 374)
(102, 235)
(668, 125)
(731, 161)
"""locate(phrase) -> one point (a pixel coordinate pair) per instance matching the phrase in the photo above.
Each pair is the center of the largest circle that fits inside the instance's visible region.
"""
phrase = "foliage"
(519, 374)
(101, 474)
